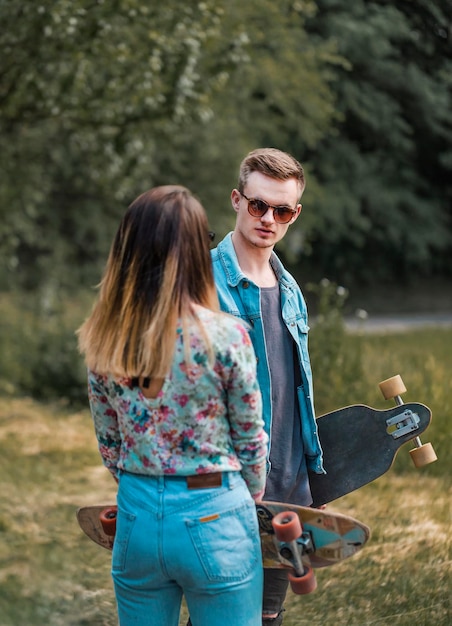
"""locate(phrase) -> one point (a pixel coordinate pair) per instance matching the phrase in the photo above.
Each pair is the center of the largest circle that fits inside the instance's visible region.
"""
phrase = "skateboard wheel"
(107, 518)
(392, 387)
(287, 526)
(423, 455)
(302, 585)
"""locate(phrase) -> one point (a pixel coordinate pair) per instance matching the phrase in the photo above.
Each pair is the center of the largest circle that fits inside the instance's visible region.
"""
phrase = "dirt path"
(362, 322)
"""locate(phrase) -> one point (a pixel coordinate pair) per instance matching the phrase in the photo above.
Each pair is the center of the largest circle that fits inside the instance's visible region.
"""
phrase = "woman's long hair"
(159, 266)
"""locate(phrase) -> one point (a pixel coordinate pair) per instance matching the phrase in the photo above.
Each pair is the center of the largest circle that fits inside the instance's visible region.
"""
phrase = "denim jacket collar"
(235, 275)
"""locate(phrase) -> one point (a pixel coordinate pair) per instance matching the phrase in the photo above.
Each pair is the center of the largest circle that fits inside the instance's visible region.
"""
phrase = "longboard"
(295, 538)
(360, 443)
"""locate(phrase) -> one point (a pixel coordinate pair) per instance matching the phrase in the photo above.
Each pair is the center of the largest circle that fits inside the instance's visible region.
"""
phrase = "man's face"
(265, 232)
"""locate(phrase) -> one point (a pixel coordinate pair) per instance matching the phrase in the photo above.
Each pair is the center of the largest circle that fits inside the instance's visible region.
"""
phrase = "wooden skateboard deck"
(327, 537)
(89, 521)
(360, 444)
(324, 538)
(335, 536)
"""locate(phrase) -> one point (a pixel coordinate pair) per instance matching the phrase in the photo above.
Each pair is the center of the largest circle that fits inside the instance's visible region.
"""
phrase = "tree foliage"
(385, 170)
(101, 100)
(87, 90)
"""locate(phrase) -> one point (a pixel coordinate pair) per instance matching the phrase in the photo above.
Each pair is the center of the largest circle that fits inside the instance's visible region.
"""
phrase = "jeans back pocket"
(124, 525)
(227, 543)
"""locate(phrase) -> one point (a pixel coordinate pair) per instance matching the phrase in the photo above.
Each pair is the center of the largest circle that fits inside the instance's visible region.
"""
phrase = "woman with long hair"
(177, 415)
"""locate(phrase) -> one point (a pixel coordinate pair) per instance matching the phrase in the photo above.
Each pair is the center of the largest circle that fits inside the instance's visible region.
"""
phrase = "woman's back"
(202, 420)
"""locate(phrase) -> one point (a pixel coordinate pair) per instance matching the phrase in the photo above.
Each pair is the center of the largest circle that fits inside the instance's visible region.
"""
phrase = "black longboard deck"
(360, 444)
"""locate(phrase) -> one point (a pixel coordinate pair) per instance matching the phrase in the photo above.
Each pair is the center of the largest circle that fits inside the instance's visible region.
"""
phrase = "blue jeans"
(173, 541)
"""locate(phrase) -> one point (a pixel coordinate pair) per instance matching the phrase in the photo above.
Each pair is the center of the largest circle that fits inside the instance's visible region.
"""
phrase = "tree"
(385, 170)
(100, 100)
(85, 90)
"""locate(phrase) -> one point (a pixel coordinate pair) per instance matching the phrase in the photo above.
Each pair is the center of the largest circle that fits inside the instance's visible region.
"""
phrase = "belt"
(205, 481)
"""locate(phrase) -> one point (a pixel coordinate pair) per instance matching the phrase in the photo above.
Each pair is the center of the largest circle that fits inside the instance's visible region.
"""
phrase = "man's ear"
(235, 199)
(299, 210)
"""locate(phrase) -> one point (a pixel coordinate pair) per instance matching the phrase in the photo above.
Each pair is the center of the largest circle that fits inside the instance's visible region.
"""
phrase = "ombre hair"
(274, 163)
(158, 268)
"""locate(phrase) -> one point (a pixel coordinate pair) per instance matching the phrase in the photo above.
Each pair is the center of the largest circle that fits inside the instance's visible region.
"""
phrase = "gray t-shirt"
(288, 478)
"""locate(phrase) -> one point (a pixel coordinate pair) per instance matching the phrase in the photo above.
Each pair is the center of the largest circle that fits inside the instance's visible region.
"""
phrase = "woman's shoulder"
(222, 324)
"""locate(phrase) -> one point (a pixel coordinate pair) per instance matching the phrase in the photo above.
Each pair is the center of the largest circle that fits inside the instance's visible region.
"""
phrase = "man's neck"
(254, 262)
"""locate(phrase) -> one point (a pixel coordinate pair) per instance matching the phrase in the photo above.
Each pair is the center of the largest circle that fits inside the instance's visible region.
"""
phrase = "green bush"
(335, 357)
(39, 354)
(38, 349)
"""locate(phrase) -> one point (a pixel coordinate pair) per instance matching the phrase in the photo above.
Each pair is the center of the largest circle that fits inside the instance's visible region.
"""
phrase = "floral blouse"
(207, 417)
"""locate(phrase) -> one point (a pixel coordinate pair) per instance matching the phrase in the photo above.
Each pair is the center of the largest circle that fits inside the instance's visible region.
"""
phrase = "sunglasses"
(258, 208)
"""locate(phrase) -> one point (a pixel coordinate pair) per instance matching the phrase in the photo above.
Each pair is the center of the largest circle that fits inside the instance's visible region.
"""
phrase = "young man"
(253, 285)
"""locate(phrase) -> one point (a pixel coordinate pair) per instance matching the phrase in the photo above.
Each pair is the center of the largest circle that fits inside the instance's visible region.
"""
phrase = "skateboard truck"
(303, 544)
(405, 422)
(289, 532)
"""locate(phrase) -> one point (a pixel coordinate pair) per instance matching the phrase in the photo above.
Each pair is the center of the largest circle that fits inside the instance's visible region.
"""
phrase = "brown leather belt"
(205, 481)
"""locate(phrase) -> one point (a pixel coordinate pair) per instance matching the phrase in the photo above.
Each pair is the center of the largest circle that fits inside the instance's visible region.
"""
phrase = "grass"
(50, 574)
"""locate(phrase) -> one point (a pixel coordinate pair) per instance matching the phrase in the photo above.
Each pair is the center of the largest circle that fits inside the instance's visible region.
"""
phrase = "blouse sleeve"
(245, 413)
(105, 421)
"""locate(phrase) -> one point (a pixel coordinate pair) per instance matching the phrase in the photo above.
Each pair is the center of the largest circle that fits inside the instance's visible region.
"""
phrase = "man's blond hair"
(274, 163)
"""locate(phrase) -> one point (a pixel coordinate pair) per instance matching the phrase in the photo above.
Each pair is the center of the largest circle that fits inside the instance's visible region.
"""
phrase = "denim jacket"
(240, 297)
